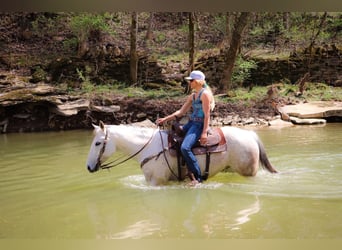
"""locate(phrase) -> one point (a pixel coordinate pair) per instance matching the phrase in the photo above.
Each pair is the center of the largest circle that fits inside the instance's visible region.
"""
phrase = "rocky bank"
(35, 107)
(28, 107)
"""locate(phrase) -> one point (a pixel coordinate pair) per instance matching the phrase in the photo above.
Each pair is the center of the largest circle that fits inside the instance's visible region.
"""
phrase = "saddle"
(216, 143)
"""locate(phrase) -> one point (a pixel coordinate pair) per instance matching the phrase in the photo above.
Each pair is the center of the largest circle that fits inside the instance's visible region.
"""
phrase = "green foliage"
(243, 94)
(184, 29)
(242, 69)
(220, 24)
(82, 24)
(160, 37)
(205, 45)
(45, 26)
(312, 92)
(322, 92)
(270, 28)
(289, 89)
(70, 44)
(335, 26)
(80, 75)
(86, 86)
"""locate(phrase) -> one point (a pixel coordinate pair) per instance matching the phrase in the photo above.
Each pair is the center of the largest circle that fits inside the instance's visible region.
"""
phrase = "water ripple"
(138, 182)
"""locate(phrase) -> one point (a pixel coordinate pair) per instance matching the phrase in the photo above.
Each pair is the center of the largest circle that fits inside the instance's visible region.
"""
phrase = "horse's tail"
(265, 163)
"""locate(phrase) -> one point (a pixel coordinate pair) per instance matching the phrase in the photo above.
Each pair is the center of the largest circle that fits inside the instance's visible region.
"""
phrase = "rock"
(248, 121)
(72, 108)
(43, 89)
(299, 121)
(141, 115)
(310, 113)
(313, 110)
(146, 123)
(106, 109)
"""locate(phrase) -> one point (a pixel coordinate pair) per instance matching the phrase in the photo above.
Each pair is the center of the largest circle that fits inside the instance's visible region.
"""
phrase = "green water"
(46, 192)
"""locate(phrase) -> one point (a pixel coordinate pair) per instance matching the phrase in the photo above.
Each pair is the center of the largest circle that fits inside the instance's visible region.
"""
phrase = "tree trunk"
(227, 33)
(191, 41)
(149, 32)
(232, 52)
(133, 54)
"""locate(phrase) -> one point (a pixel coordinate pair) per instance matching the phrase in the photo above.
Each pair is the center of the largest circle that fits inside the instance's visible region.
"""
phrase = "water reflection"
(43, 182)
(185, 212)
(138, 230)
(244, 215)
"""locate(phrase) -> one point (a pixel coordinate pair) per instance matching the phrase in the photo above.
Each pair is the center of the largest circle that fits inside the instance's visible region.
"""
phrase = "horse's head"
(101, 148)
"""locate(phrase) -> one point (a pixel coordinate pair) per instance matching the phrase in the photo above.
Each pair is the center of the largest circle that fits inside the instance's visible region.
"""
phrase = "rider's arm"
(179, 113)
(205, 98)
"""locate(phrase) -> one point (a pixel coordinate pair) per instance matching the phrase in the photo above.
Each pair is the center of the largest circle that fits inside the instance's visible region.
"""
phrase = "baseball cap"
(195, 75)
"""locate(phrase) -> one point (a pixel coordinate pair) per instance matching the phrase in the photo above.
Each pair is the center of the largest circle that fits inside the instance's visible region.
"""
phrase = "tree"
(191, 41)
(149, 32)
(133, 53)
(227, 30)
(86, 27)
(319, 29)
(232, 52)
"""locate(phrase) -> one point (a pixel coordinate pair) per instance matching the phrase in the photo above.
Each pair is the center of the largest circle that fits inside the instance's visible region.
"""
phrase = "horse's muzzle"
(92, 170)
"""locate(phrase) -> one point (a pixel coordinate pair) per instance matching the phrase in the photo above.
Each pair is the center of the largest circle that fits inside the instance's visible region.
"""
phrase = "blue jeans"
(193, 131)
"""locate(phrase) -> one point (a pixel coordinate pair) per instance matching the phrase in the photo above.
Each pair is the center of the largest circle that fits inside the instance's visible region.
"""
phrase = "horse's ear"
(102, 125)
(94, 126)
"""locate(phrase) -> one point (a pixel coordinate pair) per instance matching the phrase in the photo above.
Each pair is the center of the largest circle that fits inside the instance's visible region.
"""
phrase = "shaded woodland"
(45, 42)
(75, 54)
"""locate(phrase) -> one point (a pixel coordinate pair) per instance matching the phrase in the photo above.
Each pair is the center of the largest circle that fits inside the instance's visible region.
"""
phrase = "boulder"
(315, 110)
(299, 121)
(72, 108)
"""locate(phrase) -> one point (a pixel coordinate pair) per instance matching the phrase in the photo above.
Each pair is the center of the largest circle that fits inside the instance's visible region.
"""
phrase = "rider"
(202, 102)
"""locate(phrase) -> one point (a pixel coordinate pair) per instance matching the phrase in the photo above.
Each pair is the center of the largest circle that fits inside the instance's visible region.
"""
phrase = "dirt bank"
(27, 107)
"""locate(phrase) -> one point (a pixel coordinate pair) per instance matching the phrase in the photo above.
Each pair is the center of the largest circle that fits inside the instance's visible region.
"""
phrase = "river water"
(47, 193)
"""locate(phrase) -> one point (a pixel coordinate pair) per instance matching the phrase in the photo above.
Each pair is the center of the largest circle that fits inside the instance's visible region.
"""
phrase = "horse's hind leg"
(248, 166)
(248, 170)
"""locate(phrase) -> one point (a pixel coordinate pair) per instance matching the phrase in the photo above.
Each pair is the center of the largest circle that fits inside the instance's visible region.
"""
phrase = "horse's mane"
(146, 123)
(131, 128)
(144, 127)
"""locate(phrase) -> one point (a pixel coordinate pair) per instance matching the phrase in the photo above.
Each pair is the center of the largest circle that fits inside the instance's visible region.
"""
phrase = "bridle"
(115, 162)
(98, 162)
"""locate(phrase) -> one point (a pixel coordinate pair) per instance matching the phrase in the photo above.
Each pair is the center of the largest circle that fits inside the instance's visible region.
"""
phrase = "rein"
(114, 163)
(167, 162)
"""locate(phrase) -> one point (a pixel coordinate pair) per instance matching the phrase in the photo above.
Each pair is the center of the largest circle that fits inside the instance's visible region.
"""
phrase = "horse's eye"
(97, 143)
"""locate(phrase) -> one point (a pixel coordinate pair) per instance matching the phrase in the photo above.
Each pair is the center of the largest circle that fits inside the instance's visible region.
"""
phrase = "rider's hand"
(160, 121)
(204, 139)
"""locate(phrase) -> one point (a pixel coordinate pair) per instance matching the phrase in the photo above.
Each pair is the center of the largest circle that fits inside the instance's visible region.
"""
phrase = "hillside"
(48, 82)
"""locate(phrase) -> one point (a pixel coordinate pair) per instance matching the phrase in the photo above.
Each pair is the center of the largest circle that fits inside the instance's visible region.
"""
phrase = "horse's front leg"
(157, 170)
(154, 179)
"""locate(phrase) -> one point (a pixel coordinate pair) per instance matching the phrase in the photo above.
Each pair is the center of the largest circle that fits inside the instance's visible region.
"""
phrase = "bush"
(242, 70)
(84, 24)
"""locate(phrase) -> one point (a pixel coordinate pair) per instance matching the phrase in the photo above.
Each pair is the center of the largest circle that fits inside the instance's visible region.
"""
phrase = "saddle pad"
(217, 138)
